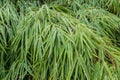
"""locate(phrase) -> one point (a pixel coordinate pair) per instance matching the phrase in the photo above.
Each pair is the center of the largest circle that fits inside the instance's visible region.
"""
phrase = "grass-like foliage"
(59, 40)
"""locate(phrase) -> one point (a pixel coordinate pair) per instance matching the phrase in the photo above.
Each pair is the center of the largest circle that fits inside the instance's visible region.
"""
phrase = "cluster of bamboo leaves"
(59, 40)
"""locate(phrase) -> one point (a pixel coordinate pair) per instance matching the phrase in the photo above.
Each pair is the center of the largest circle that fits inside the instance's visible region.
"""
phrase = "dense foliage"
(59, 40)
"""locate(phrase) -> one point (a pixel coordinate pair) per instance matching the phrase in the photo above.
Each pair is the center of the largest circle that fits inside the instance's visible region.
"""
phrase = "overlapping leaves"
(49, 43)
